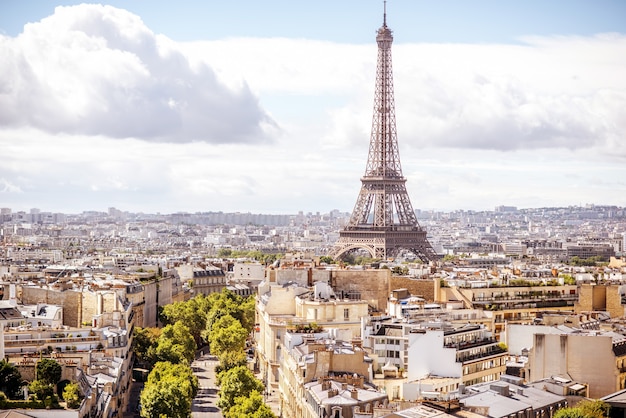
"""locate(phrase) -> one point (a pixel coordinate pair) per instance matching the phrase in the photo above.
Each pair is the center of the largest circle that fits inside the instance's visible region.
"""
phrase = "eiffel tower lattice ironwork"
(383, 222)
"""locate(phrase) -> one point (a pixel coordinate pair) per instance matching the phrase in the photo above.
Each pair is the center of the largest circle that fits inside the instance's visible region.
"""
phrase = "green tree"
(176, 344)
(568, 279)
(229, 360)
(224, 252)
(235, 383)
(182, 372)
(227, 335)
(165, 399)
(192, 313)
(248, 313)
(251, 406)
(328, 260)
(145, 341)
(400, 270)
(362, 260)
(585, 409)
(48, 371)
(41, 389)
(169, 391)
(229, 303)
(11, 381)
(72, 395)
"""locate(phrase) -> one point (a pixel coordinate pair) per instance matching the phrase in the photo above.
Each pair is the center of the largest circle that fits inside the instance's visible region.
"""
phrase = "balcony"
(531, 297)
(50, 341)
(465, 345)
(493, 350)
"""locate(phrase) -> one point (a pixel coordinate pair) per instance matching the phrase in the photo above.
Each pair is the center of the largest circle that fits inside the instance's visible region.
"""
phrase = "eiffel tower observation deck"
(383, 222)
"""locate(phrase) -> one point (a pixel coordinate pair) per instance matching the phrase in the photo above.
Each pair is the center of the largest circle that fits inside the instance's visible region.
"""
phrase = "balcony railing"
(465, 345)
(491, 351)
(525, 297)
(48, 341)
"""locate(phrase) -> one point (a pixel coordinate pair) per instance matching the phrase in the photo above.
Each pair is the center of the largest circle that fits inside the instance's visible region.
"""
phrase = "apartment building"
(334, 397)
(290, 307)
(99, 357)
(320, 373)
(297, 294)
(514, 304)
(597, 358)
(508, 397)
(469, 352)
(204, 280)
(610, 298)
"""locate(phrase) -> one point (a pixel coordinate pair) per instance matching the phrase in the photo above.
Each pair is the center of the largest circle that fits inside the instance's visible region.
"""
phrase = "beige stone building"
(601, 297)
(594, 357)
(203, 280)
(291, 307)
(512, 304)
(342, 398)
(300, 294)
(321, 376)
(97, 356)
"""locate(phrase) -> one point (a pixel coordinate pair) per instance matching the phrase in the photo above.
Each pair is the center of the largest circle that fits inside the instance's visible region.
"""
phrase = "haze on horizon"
(238, 107)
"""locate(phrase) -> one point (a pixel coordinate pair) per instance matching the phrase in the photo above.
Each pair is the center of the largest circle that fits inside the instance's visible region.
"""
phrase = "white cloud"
(98, 111)
(98, 70)
(8, 187)
(547, 93)
(552, 93)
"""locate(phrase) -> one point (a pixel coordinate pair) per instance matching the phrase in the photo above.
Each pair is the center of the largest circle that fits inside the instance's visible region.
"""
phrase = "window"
(346, 314)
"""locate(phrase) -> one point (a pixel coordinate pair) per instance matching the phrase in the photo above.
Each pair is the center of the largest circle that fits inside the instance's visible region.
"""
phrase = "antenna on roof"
(384, 13)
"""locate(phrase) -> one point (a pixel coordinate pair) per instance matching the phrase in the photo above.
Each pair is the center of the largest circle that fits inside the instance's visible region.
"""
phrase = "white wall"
(427, 355)
(518, 336)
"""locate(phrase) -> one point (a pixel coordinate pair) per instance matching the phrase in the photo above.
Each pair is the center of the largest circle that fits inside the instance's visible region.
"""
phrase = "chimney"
(354, 394)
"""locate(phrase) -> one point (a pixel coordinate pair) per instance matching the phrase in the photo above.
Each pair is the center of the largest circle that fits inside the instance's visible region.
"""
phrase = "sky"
(266, 107)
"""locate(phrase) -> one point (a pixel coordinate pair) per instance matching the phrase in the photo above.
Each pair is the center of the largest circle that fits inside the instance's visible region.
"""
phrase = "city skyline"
(266, 107)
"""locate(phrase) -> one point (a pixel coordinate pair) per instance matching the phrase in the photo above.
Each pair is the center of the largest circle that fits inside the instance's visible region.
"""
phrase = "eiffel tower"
(383, 222)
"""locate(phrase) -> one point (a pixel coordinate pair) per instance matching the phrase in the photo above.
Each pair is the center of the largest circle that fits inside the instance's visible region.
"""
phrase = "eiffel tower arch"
(383, 221)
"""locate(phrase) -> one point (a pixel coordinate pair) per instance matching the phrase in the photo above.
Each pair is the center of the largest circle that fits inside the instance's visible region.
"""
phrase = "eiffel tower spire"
(383, 221)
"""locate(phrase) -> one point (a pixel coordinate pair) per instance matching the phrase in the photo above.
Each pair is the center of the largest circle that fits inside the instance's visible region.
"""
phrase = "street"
(204, 404)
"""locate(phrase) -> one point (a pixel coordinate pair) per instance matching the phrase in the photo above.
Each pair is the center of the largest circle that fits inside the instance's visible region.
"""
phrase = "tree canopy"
(164, 369)
(192, 313)
(229, 360)
(169, 391)
(145, 341)
(251, 406)
(72, 395)
(585, 409)
(229, 303)
(41, 389)
(236, 383)
(227, 334)
(11, 381)
(176, 345)
(264, 258)
(48, 371)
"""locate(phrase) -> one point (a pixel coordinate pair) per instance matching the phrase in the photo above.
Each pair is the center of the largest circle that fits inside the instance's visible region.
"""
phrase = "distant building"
(602, 297)
(203, 280)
